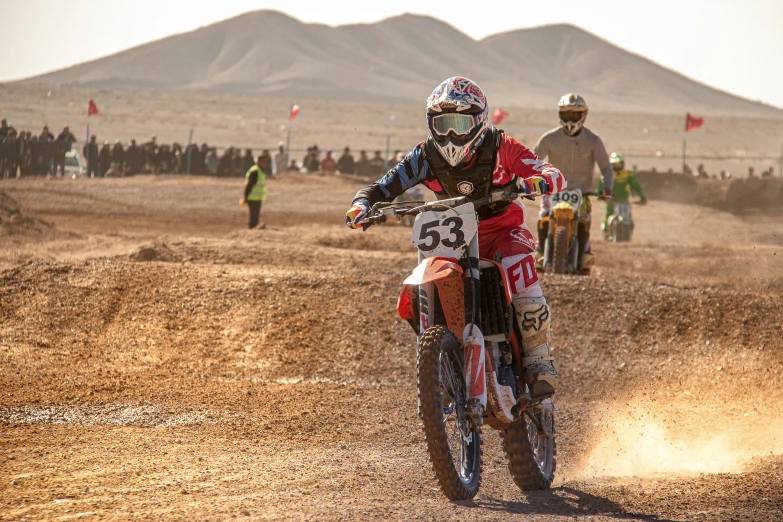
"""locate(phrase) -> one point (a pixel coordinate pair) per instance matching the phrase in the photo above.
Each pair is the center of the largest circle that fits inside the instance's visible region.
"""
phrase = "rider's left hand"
(535, 185)
(643, 201)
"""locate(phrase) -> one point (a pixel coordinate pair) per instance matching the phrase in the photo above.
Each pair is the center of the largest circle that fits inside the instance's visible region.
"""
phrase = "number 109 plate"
(445, 232)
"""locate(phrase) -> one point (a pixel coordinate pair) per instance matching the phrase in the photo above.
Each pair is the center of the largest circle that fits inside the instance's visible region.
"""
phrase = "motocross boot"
(533, 319)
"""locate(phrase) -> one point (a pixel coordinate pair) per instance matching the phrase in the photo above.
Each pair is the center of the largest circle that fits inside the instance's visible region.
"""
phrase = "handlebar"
(382, 212)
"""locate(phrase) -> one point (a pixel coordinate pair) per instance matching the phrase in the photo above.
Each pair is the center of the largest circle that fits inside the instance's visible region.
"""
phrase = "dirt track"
(159, 361)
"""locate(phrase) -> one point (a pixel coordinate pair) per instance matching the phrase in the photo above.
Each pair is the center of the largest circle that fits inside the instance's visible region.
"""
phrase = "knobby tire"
(560, 257)
(435, 341)
(519, 449)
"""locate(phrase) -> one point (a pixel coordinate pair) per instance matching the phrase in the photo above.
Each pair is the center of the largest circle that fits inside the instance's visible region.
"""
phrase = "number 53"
(429, 231)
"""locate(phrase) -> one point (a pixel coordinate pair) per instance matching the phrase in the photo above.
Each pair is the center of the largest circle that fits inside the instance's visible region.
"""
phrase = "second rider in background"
(464, 156)
(574, 149)
(624, 182)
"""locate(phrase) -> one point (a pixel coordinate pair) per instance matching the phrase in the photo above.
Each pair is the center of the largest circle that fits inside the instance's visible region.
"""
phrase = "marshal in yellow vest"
(258, 192)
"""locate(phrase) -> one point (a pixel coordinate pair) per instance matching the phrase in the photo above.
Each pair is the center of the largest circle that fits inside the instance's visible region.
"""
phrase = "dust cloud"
(644, 439)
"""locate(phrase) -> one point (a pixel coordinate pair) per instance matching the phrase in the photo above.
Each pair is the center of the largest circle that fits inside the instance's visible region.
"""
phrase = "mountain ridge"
(402, 58)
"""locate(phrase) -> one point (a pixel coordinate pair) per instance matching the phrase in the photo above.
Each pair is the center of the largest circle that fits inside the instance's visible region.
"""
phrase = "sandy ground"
(157, 360)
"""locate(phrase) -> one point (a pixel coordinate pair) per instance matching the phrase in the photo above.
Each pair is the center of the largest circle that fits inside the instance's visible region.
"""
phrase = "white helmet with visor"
(457, 118)
(572, 110)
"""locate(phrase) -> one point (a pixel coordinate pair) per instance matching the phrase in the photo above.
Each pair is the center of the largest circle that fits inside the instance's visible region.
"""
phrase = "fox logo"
(533, 319)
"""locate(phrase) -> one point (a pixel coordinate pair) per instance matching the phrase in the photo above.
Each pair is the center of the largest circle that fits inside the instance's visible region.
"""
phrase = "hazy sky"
(734, 45)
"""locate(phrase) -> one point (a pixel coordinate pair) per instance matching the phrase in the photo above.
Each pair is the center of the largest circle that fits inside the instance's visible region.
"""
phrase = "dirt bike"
(562, 248)
(469, 354)
(620, 224)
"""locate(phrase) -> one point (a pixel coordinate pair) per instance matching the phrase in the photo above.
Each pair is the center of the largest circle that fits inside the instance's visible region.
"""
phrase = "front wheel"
(453, 444)
(530, 453)
(560, 257)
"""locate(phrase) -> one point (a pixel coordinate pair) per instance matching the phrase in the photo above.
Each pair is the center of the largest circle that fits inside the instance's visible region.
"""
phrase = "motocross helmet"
(457, 118)
(572, 109)
(617, 161)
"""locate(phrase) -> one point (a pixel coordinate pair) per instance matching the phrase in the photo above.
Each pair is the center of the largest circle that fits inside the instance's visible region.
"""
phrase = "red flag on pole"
(693, 122)
(294, 112)
(92, 108)
(498, 115)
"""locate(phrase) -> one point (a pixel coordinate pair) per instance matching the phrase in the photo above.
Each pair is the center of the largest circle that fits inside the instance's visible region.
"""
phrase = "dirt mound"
(159, 250)
(737, 196)
(14, 222)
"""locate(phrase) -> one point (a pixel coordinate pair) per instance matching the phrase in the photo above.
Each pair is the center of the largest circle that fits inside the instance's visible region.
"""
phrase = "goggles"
(571, 116)
(459, 124)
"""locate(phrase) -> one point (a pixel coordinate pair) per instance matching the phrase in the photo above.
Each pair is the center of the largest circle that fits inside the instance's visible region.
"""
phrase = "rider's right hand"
(359, 209)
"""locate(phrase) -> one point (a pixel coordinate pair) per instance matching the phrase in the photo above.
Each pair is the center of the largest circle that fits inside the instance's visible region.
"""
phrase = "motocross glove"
(607, 193)
(643, 201)
(534, 185)
(359, 209)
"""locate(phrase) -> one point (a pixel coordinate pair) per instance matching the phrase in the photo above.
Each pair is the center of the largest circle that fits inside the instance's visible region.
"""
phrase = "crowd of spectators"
(23, 153)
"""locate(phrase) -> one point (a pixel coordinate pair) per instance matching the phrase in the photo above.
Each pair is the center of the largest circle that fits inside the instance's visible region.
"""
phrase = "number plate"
(572, 197)
(445, 232)
(622, 209)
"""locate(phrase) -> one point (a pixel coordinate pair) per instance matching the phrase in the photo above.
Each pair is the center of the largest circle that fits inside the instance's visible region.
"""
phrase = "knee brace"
(534, 320)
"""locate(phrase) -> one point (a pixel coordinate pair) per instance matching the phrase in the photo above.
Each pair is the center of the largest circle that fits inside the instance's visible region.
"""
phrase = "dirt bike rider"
(574, 149)
(464, 156)
(624, 183)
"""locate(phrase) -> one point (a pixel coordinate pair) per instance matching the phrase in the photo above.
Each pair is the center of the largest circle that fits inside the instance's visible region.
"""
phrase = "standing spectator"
(236, 163)
(363, 165)
(281, 159)
(150, 155)
(25, 153)
(45, 134)
(293, 167)
(310, 162)
(133, 156)
(346, 164)
(212, 162)
(5, 129)
(328, 165)
(61, 146)
(91, 156)
(255, 189)
(118, 153)
(377, 164)
(9, 159)
(247, 161)
(268, 156)
(46, 153)
(225, 162)
(395, 159)
(104, 159)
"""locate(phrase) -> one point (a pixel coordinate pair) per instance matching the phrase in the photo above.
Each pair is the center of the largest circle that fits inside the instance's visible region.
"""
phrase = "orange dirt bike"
(469, 362)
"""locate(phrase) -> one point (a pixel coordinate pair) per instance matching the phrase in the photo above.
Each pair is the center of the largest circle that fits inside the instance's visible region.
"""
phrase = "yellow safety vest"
(258, 192)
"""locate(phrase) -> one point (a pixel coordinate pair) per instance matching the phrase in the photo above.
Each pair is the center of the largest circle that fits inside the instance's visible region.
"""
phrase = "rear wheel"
(531, 455)
(453, 444)
(560, 257)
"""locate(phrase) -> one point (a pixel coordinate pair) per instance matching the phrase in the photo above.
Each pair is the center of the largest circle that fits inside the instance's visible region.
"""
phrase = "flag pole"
(190, 141)
(388, 151)
(684, 149)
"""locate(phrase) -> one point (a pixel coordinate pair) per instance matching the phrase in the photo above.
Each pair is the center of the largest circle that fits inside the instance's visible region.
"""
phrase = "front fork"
(472, 337)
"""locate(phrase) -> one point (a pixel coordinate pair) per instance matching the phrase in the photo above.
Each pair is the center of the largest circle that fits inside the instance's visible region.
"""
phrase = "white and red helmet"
(457, 118)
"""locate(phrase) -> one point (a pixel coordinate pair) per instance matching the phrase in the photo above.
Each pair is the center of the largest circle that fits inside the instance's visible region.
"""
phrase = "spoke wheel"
(531, 456)
(453, 444)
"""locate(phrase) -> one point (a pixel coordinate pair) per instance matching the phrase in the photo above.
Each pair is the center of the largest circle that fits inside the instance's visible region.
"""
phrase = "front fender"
(446, 273)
